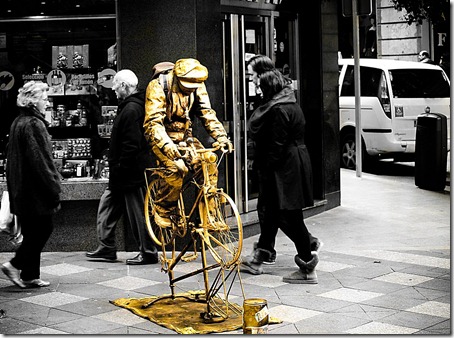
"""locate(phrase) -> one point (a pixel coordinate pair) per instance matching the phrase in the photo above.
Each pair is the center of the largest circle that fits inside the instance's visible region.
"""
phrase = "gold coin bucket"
(255, 316)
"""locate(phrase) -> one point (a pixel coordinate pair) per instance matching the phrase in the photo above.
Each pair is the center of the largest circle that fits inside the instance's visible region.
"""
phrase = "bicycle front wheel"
(222, 228)
(161, 236)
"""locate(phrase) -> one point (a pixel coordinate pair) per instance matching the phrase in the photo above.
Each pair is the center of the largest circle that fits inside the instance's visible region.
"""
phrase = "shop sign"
(80, 84)
(105, 77)
(56, 80)
(6, 80)
(34, 77)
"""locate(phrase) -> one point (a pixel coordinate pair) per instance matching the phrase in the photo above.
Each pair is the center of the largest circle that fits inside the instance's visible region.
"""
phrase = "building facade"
(136, 34)
(395, 38)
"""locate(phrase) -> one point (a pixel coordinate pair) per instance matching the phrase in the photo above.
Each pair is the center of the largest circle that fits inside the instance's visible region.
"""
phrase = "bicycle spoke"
(161, 236)
(222, 234)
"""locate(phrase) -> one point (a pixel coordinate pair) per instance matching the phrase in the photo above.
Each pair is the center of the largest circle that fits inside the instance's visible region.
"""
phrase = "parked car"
(393, 94)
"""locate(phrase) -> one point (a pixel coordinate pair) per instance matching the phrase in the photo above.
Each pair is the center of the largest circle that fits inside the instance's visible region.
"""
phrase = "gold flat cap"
(190, 72)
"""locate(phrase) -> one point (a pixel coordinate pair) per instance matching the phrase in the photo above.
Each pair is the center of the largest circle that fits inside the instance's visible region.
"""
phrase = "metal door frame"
(237, 74)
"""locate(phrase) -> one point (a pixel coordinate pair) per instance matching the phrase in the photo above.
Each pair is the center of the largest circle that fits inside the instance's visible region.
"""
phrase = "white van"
(393, 94)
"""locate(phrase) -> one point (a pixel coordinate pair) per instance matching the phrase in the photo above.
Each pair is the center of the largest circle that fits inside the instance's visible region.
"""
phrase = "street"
(384, 269)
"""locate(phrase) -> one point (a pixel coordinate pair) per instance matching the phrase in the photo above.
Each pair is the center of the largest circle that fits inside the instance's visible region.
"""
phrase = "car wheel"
(348, 151)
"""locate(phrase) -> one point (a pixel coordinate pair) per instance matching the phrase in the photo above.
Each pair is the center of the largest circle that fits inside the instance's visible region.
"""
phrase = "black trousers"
(112, 206)
(36, 230)
(271, 218)
(261, 216)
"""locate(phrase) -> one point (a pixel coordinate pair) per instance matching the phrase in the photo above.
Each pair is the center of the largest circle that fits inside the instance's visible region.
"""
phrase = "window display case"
(76, 57)
(79, 124)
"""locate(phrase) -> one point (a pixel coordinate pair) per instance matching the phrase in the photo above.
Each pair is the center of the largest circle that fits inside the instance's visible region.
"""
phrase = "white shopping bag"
(9, 223)
(6, 217)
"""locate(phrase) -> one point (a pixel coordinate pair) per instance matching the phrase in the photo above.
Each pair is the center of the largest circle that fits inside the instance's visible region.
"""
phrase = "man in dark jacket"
(128, 157)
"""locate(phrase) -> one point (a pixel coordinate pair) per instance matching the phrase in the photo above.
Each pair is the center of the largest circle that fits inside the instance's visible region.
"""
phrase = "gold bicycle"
(215, 227)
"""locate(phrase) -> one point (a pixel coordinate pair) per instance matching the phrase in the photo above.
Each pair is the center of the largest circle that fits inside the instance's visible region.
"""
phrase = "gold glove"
(224, 143)
(171, 151)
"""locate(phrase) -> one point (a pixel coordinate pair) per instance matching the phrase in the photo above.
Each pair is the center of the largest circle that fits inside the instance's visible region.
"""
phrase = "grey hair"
(128, 77)
(31, 93)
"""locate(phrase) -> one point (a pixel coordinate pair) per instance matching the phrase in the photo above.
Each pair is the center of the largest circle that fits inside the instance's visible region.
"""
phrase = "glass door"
(244, 37)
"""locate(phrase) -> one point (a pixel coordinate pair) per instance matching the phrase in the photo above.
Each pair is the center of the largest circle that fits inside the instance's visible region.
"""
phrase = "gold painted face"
(184, 90)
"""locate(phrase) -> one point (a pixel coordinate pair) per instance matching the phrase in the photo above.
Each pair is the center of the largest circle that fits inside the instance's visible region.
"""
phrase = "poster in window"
(80, 84)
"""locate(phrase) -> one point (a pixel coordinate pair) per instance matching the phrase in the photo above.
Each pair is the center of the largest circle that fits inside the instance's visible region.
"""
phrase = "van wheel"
(348, 151)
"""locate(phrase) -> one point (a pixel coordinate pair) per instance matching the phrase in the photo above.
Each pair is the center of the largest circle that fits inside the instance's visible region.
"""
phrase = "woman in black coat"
(284, 170)
(33, 184)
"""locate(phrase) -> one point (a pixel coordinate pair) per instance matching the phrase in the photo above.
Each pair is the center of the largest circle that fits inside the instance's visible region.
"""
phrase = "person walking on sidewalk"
(424, 57)
(33, 184)
(284, 169)
(128, 157)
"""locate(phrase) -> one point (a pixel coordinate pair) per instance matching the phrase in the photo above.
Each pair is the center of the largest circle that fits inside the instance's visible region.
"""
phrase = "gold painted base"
(182, 314)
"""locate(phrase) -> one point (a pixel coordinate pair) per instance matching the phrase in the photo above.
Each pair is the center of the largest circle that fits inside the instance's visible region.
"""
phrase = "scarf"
(33, 111)
(257, 118)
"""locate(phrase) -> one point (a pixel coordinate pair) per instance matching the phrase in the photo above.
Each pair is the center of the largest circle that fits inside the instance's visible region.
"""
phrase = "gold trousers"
(174, 174)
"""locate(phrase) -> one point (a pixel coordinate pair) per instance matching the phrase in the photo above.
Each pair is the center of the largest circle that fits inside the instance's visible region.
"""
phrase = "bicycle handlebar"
(189, 146)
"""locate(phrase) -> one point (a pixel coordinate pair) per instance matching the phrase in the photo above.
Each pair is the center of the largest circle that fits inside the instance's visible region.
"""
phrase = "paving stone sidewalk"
(384, 269)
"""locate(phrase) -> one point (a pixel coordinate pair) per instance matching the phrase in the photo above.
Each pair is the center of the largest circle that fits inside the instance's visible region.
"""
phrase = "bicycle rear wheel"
(161, 236)
(223, 229)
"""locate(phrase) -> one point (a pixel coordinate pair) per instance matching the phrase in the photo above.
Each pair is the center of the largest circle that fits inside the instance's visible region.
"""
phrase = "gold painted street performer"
(173, 100)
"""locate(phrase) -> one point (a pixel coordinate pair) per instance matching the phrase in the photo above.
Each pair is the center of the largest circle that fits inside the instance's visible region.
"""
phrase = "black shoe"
(316, 245)
(267, 259)
(141, 259)
(102, 253)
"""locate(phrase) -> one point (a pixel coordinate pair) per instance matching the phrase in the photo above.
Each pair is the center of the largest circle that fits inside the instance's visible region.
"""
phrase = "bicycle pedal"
(177, 221)
(189, 257)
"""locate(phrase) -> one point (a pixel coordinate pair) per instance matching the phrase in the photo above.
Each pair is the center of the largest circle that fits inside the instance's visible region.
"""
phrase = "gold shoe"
(163, 222)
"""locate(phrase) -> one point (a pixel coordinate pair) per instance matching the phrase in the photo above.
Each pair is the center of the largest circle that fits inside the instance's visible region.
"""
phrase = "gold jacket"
(168, 120)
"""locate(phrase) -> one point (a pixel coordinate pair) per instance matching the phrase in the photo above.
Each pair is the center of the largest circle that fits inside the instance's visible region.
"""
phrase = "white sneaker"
(36, 283)
(13, 274)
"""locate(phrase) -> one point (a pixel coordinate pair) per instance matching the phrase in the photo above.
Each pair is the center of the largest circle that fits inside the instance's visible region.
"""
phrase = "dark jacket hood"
(138, 97)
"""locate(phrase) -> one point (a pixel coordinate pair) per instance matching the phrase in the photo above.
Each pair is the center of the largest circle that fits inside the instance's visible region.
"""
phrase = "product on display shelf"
(60, 57)
(80, 56)
(70, 56)
(83, 118)
(108, 114)
(56, 80)
(72, 148)
(49, 112)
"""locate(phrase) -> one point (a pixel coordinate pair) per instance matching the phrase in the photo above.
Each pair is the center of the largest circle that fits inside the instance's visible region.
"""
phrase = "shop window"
(71, 46)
